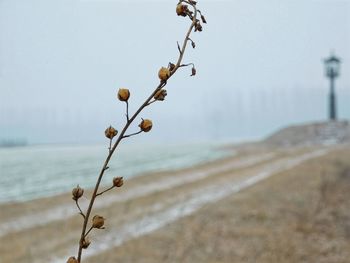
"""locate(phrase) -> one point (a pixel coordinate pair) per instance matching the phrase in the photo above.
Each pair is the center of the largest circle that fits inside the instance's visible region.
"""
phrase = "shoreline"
(83, 164)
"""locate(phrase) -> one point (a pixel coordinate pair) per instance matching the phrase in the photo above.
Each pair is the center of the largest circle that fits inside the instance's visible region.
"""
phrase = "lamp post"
(332, 71)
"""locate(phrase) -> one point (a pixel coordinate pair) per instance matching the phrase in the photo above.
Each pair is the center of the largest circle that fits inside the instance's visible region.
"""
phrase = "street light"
(332, 71)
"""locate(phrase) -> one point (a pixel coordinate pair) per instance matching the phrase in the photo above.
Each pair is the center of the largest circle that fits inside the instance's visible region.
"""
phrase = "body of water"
(39, 171)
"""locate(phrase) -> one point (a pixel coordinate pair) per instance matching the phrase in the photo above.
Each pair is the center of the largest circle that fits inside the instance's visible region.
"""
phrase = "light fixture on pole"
(332, 71)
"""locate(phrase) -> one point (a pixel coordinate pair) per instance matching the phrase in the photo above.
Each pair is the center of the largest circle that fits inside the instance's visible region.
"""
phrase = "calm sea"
(39, 171)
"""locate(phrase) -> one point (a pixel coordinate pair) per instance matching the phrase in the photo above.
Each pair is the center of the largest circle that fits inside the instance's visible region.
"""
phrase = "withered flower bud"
(72, 260)
(193, 44)
(203, 19)
(110, 132)
(181, 10)
(160, 95)
(118, 181)
(194, 71)
(86, 243)
(77, 192)
(123, 94)
(171, 66)
(98, 221)
(198, 27)
(146, 125)
(164, 74)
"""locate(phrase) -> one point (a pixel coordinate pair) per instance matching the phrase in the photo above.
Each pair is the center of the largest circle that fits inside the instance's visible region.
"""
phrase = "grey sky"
(259, 67)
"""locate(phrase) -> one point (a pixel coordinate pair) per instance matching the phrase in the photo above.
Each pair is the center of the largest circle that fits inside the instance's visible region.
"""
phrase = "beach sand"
(260, 205)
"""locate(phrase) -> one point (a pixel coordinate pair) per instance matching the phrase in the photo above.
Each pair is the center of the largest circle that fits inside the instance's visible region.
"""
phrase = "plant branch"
(80, 211)
(88, 232)
(110, 146)
(127, 111)
(132, 134)
(184, 44)
(178, 47)
(186, 65)
(128, 123)
(110, 188)
(152, 101)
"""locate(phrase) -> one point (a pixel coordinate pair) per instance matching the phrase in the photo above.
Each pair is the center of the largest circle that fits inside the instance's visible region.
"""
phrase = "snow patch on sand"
(65, 211)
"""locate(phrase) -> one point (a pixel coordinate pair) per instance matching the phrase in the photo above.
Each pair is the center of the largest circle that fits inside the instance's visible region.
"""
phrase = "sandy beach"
(174, 216)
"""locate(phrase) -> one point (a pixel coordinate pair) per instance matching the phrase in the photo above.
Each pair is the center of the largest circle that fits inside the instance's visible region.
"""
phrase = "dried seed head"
(72, 260)
(146, 125)
(123, 94)
(86, 243)
(164, 74)
(110, 132)
(77, 192)
(198, 27)
(181, 10)
(160, 95)
(98, 221)
(118, 181)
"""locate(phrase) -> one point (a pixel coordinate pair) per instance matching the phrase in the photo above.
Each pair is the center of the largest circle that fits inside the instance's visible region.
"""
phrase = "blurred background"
(260, 67)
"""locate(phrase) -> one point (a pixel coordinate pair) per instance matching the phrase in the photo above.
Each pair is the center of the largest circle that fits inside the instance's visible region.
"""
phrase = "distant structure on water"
(17, 142)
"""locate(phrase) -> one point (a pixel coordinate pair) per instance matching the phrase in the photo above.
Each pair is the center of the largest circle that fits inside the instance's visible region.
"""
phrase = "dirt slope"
(321, 133)
(300, 215)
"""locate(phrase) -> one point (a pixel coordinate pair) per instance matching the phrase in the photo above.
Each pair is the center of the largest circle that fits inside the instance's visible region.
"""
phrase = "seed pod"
(160, 95)
(181, 10)
(123, 94)
(98, 221)
(110, 132)
(198, 27)
(72, 260)
(146, 125)
(193, 44)
(86, 243)
(194, 71)
(203, 19)
(118, 181)
(77, 192)
(164, 74)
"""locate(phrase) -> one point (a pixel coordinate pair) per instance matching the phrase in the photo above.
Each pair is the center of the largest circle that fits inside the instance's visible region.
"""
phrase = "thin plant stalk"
(130, 120)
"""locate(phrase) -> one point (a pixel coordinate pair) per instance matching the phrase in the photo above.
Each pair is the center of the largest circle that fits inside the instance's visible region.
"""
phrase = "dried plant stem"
(122, 135)
(152, 101)
(94, 194)
(80, 211)
(132, 134)
(110, 188)
(110, 145)
(186, 65)
(127, 111)
(88, 231)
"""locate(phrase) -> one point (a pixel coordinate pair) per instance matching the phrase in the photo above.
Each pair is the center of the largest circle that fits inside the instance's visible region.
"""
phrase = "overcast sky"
(259, 66)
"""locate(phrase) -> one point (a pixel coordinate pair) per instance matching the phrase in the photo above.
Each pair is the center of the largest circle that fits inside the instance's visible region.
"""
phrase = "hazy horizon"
(259, 67)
